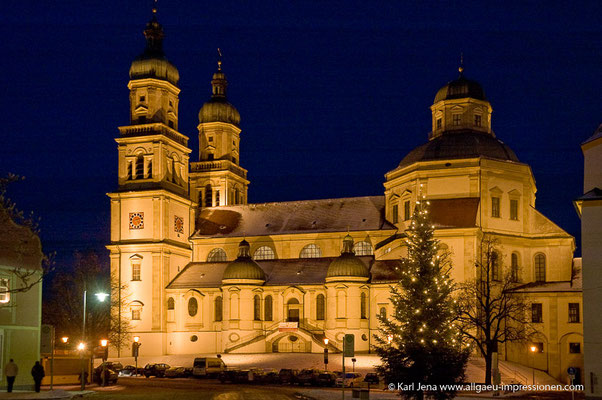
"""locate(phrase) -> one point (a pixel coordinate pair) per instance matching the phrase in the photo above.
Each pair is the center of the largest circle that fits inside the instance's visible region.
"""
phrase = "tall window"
(311, 251)
(320, 307)
(208, 196)
(514, 267)
(216, 255)
(139, 166)
(496, 273)
(573, 312)
(130, 170)
(477, 120)
(514, 209)
(4, 291)
(406, 210)
(457, 118)
(536, 313)
(264, 253)
(136, 271)
(136, 309)
(219, 306)
(256, 308)
(216, 197)
(193, 306)
(363, 305)
(234, 298)
(395, 212)
(149, 169)
(495, 206)
(439, 123)
(267, 310)
(540, 268)
(383, 312)
(363, 249)
(171, 304)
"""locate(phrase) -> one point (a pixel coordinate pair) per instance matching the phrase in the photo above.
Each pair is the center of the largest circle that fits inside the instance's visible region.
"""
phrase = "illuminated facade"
(208, 273)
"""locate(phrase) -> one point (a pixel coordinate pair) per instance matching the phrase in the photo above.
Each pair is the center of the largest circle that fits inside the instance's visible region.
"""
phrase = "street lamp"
(101, 297)
(64, 339)
(353, 360)
(103, 344)
(326, 354)
(135, 347)
(533, 350)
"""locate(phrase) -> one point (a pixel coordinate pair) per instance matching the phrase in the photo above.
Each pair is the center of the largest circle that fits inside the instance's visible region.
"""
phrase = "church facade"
(203, 271)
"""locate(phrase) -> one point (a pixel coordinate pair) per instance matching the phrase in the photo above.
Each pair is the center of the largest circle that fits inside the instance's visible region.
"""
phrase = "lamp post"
(533, 350)
(65, 340)
(135, 346)
(103, 344)
(101, 297)
(353, 360)
(326, 354)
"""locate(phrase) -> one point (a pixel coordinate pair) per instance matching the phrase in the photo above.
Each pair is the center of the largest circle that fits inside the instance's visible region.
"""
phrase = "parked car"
(114, 365)
(207, 366)
(157, 370)
(288, 376)
(352, 379)
(308, 377)
(130, 370)
(372, 378)
(327, 378)
(110, 375)
(177, 372)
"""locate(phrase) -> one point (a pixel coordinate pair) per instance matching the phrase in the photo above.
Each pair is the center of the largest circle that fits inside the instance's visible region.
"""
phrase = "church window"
(363, 249)
(383, 313)
(536, 313)
(477, 120)
(363, 305)
(439, 123)
(4, 291)
(193, 306)
(574, 312)
(395, 214)
(292, 310)
(495, 206)
(264, 253)
(136, 310)
(514, 209)
(514, 267)
(496, 273)
(210, 139)
(219, 304)
(149, 169)
(320, 307)
(171, 304)
(173, 170)
(216, 255)
(130, 170)
(540, 268)
(406, 210)
(267, 308)
(257, 308)
(210, 157)
(142, 99)
(140, 166)
(136, 271)
(217, 198)
(236, 196)
(341, 304)
(311, 251)
(457, 119)
(208, 196)
(575, 348)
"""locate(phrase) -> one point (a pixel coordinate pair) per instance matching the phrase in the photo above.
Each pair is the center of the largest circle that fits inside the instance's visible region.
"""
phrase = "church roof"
(285, 272)
(328, 215)
(597, 135)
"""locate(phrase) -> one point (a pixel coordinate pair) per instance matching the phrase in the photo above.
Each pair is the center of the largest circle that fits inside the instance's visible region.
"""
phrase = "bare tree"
(489, 312)
(120, 320)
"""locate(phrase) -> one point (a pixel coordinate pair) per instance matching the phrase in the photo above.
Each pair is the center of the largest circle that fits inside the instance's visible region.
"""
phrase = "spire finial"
(154, 7)
(461, 68)
(219, 59)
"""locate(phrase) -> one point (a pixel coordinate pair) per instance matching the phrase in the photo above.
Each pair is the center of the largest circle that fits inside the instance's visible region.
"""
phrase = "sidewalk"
(44, 394)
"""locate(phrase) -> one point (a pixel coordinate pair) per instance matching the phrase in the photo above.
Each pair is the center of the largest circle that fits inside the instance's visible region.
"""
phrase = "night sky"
(332, 94)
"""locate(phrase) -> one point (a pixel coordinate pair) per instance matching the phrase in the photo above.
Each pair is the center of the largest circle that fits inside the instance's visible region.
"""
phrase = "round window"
(293, 338)
(194, 338)
(364, 338)
(193, 307)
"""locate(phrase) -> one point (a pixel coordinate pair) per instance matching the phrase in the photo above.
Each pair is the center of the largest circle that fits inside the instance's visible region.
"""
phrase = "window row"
(211, 197)
(537, 313)
(496, 212)
(309, 251)
(539, 263)
(407, 212)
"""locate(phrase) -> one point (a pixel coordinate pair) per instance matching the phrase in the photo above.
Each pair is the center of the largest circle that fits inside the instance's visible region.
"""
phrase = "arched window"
(293, 310)
(311, 251)
(216, 255)
(218, 308)
(267, 310)
(193, 306)
(540, 267)
(139, 166)
(257, 308)
(496, 274)
(341, 304)
(363, 305)
(136, 309)
(174, 175)
(264, 253)
(383, 313)
(171, 304)
(208, 196)
(363, 249)
(130, 170)
(320, 307)
(514, 267)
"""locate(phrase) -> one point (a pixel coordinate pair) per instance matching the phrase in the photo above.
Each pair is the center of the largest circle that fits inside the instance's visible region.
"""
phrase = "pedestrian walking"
(10, 370)
(38, 374)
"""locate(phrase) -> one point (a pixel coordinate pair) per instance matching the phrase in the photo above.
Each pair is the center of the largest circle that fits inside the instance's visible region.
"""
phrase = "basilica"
(202, 271)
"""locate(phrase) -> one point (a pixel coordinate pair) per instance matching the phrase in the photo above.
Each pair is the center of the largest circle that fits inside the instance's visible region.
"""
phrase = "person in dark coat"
(38, 374)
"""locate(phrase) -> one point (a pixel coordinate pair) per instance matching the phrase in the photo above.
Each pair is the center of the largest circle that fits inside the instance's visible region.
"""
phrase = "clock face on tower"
(178, 224)
(137, 220)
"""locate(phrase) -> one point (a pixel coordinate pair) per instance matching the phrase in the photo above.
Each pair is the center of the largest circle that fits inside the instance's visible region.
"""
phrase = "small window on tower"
(439, 123)
(142, 99)
(210, 156)
(142, 119)
(477, 120)
(457, 118)
(210, 138)
(170, 103)
(395, 213)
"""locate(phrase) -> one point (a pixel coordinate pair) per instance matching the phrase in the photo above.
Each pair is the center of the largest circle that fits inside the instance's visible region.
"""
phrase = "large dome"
(347, 264)
(459, 89)
(243, 267)
(458, 145)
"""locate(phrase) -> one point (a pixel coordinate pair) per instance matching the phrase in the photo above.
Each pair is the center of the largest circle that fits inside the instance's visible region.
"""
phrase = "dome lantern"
(347, 267)
(243, 269)
(218, 109)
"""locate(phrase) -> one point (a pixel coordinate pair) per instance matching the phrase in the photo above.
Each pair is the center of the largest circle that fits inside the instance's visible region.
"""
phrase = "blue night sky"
(332, 94)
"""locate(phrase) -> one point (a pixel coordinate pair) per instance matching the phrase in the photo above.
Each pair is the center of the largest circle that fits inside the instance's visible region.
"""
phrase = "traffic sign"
(348, 345)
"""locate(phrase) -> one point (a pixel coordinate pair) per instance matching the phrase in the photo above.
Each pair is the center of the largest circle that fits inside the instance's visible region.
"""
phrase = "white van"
(209, 366)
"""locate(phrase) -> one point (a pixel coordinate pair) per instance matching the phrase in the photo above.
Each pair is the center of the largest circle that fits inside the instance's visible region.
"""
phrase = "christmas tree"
(419, 344)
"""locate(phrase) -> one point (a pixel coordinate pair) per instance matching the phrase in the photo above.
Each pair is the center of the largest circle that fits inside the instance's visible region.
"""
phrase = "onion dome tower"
(347, 266)
(243, 269)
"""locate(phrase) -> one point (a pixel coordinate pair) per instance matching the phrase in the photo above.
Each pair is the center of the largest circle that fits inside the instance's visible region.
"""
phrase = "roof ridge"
(294, 201)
